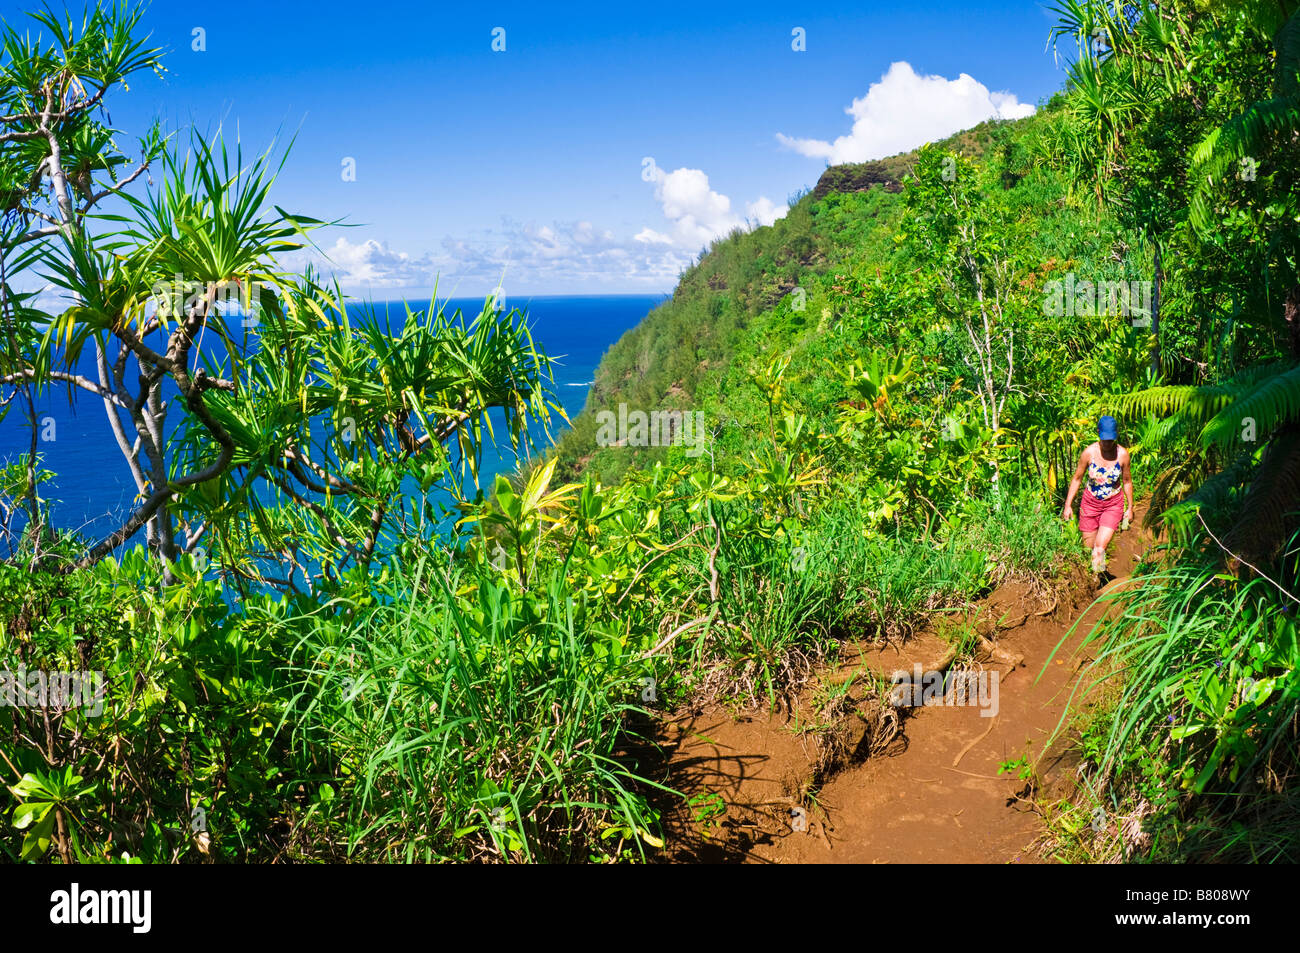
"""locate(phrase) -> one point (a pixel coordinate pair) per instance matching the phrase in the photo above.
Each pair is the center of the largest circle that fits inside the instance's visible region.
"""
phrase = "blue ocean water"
(93, 490)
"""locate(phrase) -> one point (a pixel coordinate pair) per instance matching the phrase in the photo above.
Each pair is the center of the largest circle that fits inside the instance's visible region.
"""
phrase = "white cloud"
(652, 237)
(764, 211)
(548, 258)
(532, 258)
(373, 264)
(1009, 107)
(904, 110)
(697, 213)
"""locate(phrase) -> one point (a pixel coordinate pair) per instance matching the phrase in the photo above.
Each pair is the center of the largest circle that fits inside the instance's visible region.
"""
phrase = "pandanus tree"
(1133, 96)
(248, 403)
(340, 424)
(58, 163)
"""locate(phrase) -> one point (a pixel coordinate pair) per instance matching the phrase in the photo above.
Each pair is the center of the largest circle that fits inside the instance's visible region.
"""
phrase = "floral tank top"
(1103, 479)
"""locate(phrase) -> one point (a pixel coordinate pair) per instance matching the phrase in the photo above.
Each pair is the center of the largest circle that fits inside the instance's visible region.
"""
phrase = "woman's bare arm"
(1128, 486)
(1067, 513)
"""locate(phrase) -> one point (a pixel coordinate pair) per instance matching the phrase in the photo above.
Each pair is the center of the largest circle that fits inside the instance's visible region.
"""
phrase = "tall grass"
(1023, 537)
(778, 608)
(477, 726)
(889, 584)
(787, 603)
(1204, 721)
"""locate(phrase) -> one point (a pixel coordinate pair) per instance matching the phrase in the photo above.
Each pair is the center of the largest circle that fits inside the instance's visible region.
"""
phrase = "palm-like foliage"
(1263, 126)
(210, 228)
(1250, 420)
(225, 436)
(1109, 82)
(335, 409)
(58, 161)
(1133, 56)
(247, 461)
(52, 88)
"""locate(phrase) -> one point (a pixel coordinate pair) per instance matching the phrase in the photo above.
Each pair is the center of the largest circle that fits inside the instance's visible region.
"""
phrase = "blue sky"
(471, 162)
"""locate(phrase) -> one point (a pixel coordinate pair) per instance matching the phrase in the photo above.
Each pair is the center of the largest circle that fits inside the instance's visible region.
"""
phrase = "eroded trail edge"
(869, 786)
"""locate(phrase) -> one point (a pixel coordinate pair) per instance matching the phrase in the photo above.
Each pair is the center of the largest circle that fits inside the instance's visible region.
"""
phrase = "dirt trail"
(907, 803)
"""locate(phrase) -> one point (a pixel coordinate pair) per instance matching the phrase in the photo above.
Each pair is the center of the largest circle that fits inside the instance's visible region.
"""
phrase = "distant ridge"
(890, 172)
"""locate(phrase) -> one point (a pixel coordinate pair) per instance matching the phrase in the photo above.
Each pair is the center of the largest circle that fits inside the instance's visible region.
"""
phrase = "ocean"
(93, 492)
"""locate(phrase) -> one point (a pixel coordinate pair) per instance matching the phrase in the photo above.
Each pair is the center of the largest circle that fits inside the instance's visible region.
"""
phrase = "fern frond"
(1240, 136)
(1198, 403)
(1268, 512)
(1197, 406)
(1216, 494)
(1154, 432)
(1269, 405)
(1251, 375)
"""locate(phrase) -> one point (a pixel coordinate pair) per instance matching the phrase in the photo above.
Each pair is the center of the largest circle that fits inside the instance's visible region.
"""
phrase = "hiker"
(1102, 506)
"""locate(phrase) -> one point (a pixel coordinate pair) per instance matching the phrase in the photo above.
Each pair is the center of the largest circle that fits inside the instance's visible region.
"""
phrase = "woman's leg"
(1107, 523)
(1103, 535)
(1089, 527)
(1096, 551)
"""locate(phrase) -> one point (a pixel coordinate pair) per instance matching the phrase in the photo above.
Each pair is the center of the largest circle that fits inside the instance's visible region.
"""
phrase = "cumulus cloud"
(764, 211)
(697, 213)
(905, 109)
(374, 264)
(650, 236)
(573, 256)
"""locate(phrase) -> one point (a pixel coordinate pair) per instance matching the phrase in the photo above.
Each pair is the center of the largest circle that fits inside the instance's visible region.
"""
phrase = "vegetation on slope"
(302, 661)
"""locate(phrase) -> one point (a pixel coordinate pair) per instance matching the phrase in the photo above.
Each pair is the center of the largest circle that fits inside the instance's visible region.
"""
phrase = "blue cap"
(1107, 429)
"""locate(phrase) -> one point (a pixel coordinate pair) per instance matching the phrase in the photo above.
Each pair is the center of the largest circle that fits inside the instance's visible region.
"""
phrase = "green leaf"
(37, 840)
(25, 814)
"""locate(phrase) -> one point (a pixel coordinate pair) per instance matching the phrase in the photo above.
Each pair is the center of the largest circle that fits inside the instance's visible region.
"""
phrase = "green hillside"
(839, 279)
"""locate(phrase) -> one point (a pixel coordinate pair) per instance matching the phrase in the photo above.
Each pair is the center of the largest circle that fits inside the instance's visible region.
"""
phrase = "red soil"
(933, 795)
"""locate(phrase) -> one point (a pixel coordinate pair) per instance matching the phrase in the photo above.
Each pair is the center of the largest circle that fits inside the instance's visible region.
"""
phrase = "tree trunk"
(1155, 311)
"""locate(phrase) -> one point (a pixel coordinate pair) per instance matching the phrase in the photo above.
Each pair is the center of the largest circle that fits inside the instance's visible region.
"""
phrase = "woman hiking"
(1102, 506)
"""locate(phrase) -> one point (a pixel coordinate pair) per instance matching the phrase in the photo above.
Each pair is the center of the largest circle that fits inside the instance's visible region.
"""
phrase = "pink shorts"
(1094, 512)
